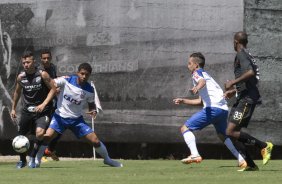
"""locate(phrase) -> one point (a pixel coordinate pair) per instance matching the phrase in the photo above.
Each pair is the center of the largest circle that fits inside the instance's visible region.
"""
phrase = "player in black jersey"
(33, 87)
(248, 96)
(50, 68)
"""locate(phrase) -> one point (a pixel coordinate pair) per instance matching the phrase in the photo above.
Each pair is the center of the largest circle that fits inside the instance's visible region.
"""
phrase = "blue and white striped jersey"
(211, 93)
(72, 97)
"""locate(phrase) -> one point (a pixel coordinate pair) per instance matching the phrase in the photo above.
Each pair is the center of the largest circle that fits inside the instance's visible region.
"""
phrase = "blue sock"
(102, 151)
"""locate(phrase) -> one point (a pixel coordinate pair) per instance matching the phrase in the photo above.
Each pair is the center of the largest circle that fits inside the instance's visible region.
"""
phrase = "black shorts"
(241, 112)
(30, 121)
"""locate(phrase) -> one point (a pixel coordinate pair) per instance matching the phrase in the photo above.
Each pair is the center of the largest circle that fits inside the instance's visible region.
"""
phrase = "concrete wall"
(138, 50)
(263, 23)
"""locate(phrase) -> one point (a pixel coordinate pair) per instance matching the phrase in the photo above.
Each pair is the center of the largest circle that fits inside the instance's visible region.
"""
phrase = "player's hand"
(229, 94)
(228, 85)
(194, 90)
(13, 114)
(40, 108)
(177, 101)
(92, 113)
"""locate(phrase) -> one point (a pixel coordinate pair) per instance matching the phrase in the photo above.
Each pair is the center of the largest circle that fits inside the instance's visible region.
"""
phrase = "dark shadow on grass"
(53, 167)
(228, 166)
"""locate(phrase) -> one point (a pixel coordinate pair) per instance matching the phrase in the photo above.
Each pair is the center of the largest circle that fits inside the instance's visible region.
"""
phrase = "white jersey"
(211, 93)
(72, 96)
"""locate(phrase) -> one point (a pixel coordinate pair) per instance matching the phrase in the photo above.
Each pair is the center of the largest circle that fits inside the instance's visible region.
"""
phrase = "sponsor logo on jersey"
(74, 101)
(32, 87)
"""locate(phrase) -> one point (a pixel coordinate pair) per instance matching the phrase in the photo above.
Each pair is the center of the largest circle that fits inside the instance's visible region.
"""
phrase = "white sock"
(102, 151)
(228, 143)
(190, 140)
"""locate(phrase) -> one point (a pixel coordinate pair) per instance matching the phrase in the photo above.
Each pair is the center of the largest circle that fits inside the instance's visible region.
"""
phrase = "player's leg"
(24, 127)
(196, 122)
(56, 127)
(101, 149)
(82, 130)
(42, 124)
(241, 117)
(190, 141)
(50, 150)
(233, 130)
(220, 124)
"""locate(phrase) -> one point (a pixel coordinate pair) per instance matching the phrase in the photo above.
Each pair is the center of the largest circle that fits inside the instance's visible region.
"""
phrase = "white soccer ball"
(20, 144)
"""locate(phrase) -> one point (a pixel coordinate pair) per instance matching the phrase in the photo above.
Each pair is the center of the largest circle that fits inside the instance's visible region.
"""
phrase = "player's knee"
(96, 144)
(183, 128)
(229, 132)
(39, 134)
(93, 139)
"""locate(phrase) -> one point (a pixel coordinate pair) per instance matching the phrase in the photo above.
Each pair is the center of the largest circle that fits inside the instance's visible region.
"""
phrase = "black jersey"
(34, 90)
(244, 61)
(51, 71)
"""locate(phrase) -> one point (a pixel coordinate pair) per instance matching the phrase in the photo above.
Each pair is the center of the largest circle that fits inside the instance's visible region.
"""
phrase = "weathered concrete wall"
(139, 50)
(263, 23)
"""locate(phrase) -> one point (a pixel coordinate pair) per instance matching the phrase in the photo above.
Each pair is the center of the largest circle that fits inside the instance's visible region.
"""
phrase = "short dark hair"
(200, 59)
(45, 51)
(241, 37)
(85, 66)
(26, 54)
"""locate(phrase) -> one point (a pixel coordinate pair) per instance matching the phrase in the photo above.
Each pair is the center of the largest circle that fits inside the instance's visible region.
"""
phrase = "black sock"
(23, 157)
(243, 151)
(54, 142)
(246, 138)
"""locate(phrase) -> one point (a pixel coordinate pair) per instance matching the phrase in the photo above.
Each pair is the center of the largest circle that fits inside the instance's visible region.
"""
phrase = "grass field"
(140, 171)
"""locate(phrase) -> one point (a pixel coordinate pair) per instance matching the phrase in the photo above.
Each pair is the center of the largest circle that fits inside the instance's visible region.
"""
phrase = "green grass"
(140, 171)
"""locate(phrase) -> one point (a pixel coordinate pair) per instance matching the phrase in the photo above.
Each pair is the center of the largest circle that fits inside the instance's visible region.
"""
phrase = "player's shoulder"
(87, 87)
(198, 73)
(242, 55)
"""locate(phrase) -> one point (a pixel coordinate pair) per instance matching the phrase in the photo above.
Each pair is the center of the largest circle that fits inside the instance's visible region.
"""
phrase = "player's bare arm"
(200, 85)
(16, 97)
(92, 110)
(248, 74)
(229, 93)
(197, 101)
(49, 82)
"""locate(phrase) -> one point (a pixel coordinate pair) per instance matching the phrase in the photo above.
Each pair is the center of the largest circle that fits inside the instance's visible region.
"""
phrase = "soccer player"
(75, 91)
(50, 68)
(33, 87)
(215, 110)
(248, 96)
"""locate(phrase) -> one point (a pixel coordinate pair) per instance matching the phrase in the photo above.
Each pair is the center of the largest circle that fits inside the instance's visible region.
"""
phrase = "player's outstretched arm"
(187, 101)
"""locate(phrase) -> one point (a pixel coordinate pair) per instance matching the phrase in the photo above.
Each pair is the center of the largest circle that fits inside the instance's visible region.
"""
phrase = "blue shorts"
(77, 125)
(207, 116)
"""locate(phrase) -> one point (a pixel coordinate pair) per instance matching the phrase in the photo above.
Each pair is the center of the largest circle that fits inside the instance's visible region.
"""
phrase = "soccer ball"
(20, 144)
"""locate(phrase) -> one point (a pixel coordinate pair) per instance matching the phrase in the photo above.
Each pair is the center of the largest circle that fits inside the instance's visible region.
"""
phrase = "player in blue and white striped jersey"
(75, 92)
(215, 110)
